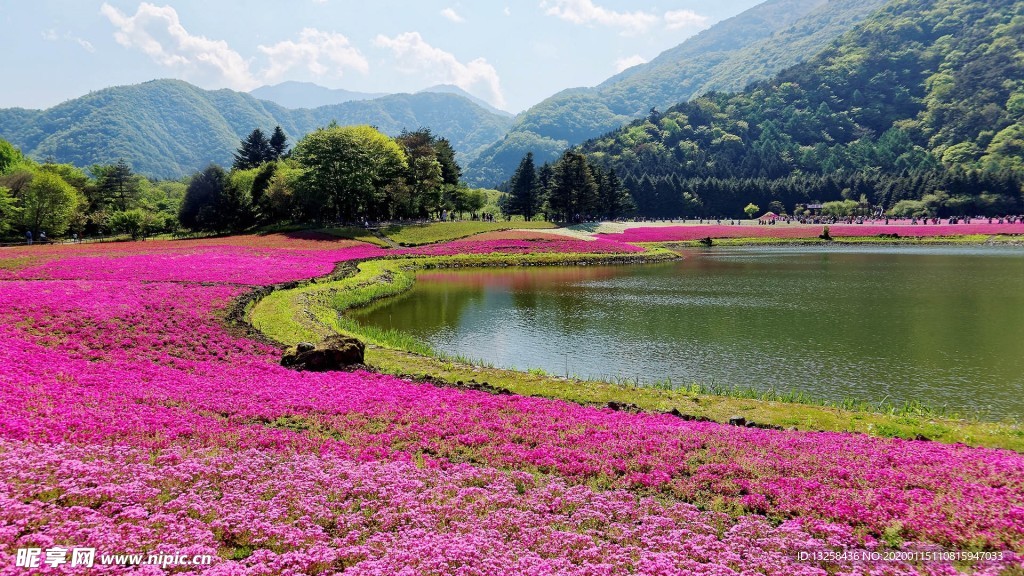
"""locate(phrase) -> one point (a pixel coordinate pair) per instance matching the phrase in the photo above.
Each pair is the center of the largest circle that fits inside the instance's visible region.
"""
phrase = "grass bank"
(314, 310)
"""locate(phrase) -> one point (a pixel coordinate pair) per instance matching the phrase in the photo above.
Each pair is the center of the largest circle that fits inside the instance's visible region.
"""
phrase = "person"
(42, 237)
(28, 237)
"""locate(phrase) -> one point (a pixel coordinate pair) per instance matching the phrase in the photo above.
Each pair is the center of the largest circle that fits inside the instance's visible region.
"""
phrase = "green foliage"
(116, 186)
(345, 171)
(9, 211)
(48, 203)
(921, 98)
(752, 46)
(9, 157)
(213, 204)
(525, 193)
(278, 143)
(572, 192)
(133, 222)
(751, 210)
(254, 151)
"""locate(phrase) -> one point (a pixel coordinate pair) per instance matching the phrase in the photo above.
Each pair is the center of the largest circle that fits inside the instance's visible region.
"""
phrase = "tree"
(278, 143)
(751, 210)
(211, 203)
(9, 211)
(135, 222)
(524, 190)
(614, 198)
(573, 190)
(48, 203)
(425, 176)
(345, 172)
(254, 150)
(9, 157)
(117, 185)
(451, 172)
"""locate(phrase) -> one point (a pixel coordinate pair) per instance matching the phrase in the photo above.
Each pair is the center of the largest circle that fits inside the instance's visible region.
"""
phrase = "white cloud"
(586, 12)
(677, 19)
(318, 52)
(157, 32)
(507, 11)
(51, 35)
(628, 62)
(452, 15)
(418, 56)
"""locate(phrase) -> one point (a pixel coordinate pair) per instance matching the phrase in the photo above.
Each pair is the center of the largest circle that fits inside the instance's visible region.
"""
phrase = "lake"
(939, 325)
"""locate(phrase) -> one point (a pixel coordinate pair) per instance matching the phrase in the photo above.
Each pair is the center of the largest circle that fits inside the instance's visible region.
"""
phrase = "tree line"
(56, 199)
(570, 190)
(336, 174)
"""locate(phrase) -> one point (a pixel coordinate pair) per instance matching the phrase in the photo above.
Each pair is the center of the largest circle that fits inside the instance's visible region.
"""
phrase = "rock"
(623, 406)
(334, 353)
(737, 421)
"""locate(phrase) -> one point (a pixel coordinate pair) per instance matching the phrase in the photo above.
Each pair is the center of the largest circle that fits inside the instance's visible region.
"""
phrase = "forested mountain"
(169, 128)
(751, 46)
(452, 89)
(922, 104)
(308, 95)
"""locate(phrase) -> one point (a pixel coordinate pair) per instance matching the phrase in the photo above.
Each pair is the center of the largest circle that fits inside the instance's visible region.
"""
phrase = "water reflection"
(939, 325)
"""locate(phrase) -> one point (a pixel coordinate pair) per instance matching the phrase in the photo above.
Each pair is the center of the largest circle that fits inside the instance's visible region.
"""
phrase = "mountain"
(750, 46)
(922, 103)
(308, 95)
(452, 89)
(170, 128)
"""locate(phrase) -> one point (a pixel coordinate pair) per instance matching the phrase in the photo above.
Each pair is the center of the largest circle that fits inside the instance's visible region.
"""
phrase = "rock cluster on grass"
(334, 353)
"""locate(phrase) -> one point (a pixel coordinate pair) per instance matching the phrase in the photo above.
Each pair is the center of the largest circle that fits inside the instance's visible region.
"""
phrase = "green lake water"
(940, 325)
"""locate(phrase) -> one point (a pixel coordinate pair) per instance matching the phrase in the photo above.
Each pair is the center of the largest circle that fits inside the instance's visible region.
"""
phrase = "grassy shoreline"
(312, 310)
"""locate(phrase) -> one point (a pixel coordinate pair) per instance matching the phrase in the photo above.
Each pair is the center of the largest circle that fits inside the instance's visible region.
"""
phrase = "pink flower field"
(134, 421)
(696, 232)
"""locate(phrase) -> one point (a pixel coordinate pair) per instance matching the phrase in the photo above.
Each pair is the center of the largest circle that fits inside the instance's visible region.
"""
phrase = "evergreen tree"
(117, 185)
(524, 189)
(615, 200)
(573, 190)
(254, 150)
(278, 143)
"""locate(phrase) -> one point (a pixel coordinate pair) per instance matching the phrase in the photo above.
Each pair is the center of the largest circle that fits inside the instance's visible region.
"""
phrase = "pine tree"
(254, 151)
(118, 185)
(573, 192)
(278, 143)
(524, 189)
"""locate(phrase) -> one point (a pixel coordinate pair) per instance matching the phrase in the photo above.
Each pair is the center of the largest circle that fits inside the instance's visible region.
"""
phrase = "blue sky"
(511, 53)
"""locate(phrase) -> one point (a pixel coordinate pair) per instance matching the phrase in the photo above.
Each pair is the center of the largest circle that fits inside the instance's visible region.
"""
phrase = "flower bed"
(132, 419)
(696, 232)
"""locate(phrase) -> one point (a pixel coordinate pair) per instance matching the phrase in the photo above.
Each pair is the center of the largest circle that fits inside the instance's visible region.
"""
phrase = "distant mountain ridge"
(309, 95)
(726, 57)
(170, 128)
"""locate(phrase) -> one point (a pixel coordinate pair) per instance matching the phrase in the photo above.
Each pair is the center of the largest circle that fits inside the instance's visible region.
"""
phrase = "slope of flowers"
(696, 232)
(134, 421)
